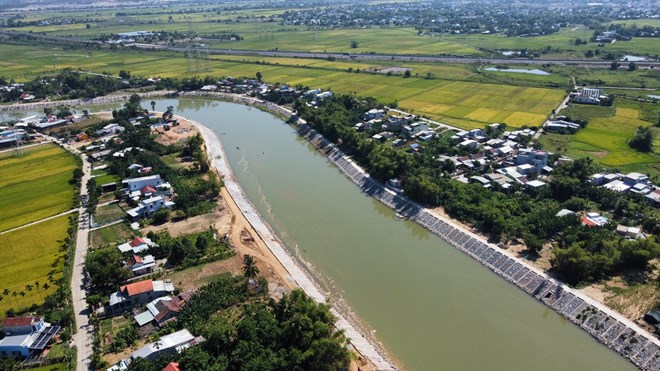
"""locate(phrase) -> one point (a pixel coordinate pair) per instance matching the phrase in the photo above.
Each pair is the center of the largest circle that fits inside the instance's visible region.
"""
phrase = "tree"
(354, 44)
(614, 66)
(250, 269)
(642, 140)
(169, 113)
(202, 243)
(161, 216)
(632, 66)
(153, 106)
(125, 75)
(406, 74)
(259, 75)
(589, 54)
(106, 269)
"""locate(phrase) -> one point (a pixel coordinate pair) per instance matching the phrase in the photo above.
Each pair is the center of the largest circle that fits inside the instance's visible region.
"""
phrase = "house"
(140, 265)
(138, 293)
(561, 126)
(100, 155)
(110, 129)
(136, 184)
(654, 198)
(172, 366)
(593, 219)
(588, 96)
(426, 135)
(534, 185)
(25, 336)
(321, 96)
(414, 128)
(373, 114)
(630, 232)
(617, 186)
(137, 245)
(469, 143)
(538, 159)
(477, 134)
(175, 342)
(162, 310)
(480, 180)
(641, 188)
(635, 178)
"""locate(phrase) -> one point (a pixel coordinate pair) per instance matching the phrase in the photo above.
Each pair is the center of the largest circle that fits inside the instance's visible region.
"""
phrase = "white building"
(137, 184)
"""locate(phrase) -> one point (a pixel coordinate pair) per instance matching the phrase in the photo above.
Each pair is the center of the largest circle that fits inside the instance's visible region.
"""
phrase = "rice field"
(30, 255)
(447, 97)
(35, 185)
(605, 139)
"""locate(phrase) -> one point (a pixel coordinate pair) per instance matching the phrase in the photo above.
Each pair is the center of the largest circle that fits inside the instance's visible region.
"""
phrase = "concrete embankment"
(605, 325)
(307, 284)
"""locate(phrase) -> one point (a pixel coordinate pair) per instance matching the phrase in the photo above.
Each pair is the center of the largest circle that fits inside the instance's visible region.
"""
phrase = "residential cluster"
(629, 183)
(493, 157)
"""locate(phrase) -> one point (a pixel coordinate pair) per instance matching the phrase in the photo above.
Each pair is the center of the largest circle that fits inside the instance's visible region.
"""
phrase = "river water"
(432, 307)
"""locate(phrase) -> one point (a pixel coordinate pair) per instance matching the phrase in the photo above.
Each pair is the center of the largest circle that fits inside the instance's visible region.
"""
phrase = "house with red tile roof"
(138, 293)
(137, 245)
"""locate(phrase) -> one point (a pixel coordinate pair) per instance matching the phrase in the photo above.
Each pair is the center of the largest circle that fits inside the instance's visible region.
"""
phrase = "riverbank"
(106, 99)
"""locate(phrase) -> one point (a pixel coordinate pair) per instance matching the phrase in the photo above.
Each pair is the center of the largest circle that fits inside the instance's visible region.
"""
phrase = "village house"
(137, 245)
(140, 265)
(175, 342)
(588, 96)
(137, 184)
(138, 293)
(24, 336)
(162, 310)
(537, 159)
(373, 114)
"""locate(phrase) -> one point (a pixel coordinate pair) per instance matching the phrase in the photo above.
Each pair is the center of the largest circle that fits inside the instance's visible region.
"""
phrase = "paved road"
(39, 221)
(83, 338)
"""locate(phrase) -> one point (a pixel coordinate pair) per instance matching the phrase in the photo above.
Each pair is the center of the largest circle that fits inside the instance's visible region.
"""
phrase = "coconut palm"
(250, 269)
(153, 106)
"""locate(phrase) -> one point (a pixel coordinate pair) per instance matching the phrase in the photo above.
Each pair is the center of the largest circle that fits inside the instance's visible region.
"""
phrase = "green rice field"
(449, 96)
(35, 185)
(605, 139)
(29, 255)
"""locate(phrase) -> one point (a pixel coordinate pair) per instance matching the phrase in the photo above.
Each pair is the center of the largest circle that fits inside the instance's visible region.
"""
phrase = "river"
(432, 307)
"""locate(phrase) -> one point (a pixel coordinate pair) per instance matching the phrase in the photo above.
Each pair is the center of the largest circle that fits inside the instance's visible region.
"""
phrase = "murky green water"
(432, 307)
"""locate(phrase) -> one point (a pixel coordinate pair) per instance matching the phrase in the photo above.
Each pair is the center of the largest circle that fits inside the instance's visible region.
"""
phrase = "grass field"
(35, 185)
(29, 255)
(108, 213)
(110, 235)
(605, 139)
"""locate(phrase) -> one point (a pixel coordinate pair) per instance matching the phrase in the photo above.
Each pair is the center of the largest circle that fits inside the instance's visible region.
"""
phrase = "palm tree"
(153, 106)
(5, 292)
(250, 269)
(29, 287)
(14, 294)
(38, 286)
(46, 286)
(22, 293)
